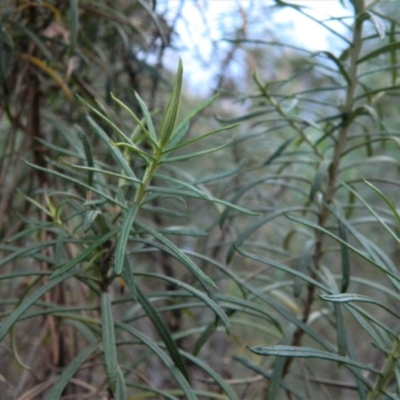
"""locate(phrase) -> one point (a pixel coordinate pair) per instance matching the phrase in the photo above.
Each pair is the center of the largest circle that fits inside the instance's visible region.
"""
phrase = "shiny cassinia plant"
(139, 275)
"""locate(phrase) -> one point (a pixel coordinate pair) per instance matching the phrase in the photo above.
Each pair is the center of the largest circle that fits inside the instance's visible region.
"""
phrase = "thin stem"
(334, 172)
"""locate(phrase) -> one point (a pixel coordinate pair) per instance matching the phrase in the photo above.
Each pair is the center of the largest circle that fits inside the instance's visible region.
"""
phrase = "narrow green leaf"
(108, 121)
(204, 195)
(385, 198)
(213, 374)
(242, 118)
(162, 330)
(58, 248)
(250, 307)
(338, 63)
(68, 372)
(341, 338)
(182, 231)
(178, 254)
(371, 326)
(212, 305)
(303, 263)
(378, 287)
(319, 177)
(201, 153)
(350, 297)
(284, 268)
(372, 211)
(78, 182)
(134, 148)
(279, 151)
(27, 251)
(352, 248)
(109, 343)
(151, 390)
(128, 278)
(171, 112)
(100, 171)
(308, 352)
(84, 330)
(203, 338)
(149, 122)
(374, 253)
(89, 156)
(176, 137)
(90, 216)
(31, 300)
(384, 49)
(220, 175)
(263, 372)
(361, 111)
(344, 251)
(120, 389)
(393, 53)
(175, 372)
(201, 137)
(180, 130)
(396, 368)
(276, 378)
(117, 155)
(134, 117)
(361, 387)
(122, 241)
(251, 229)
(37, 204)
(88, 252)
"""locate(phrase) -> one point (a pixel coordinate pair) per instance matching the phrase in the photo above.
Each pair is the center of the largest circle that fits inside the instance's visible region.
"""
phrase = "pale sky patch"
(204, 19)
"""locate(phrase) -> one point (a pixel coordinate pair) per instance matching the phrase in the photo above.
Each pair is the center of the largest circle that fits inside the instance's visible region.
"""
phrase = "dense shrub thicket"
(155, 245)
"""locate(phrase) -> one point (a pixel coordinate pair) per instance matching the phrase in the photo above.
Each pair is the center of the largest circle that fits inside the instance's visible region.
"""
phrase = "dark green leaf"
(196, 293)
(120, 390)
(175, 372)
(109, 343)
(319, 177)
(68, 372)
(88, 252)
(178, 254)
(89, 157)
(171, 112)
(30, 300)
(308, 352)
(128, 278)
(350, 297)
(338, 63)
(303, 263)
(384, 49)
(162, 330)
(279, 151)
(123, 237)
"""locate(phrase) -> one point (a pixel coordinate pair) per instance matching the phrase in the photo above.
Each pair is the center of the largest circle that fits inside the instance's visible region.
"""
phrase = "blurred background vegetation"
(248, 252)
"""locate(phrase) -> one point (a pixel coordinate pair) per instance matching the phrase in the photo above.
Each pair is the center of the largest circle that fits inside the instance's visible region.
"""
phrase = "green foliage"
(332, 233)
(130, 272)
